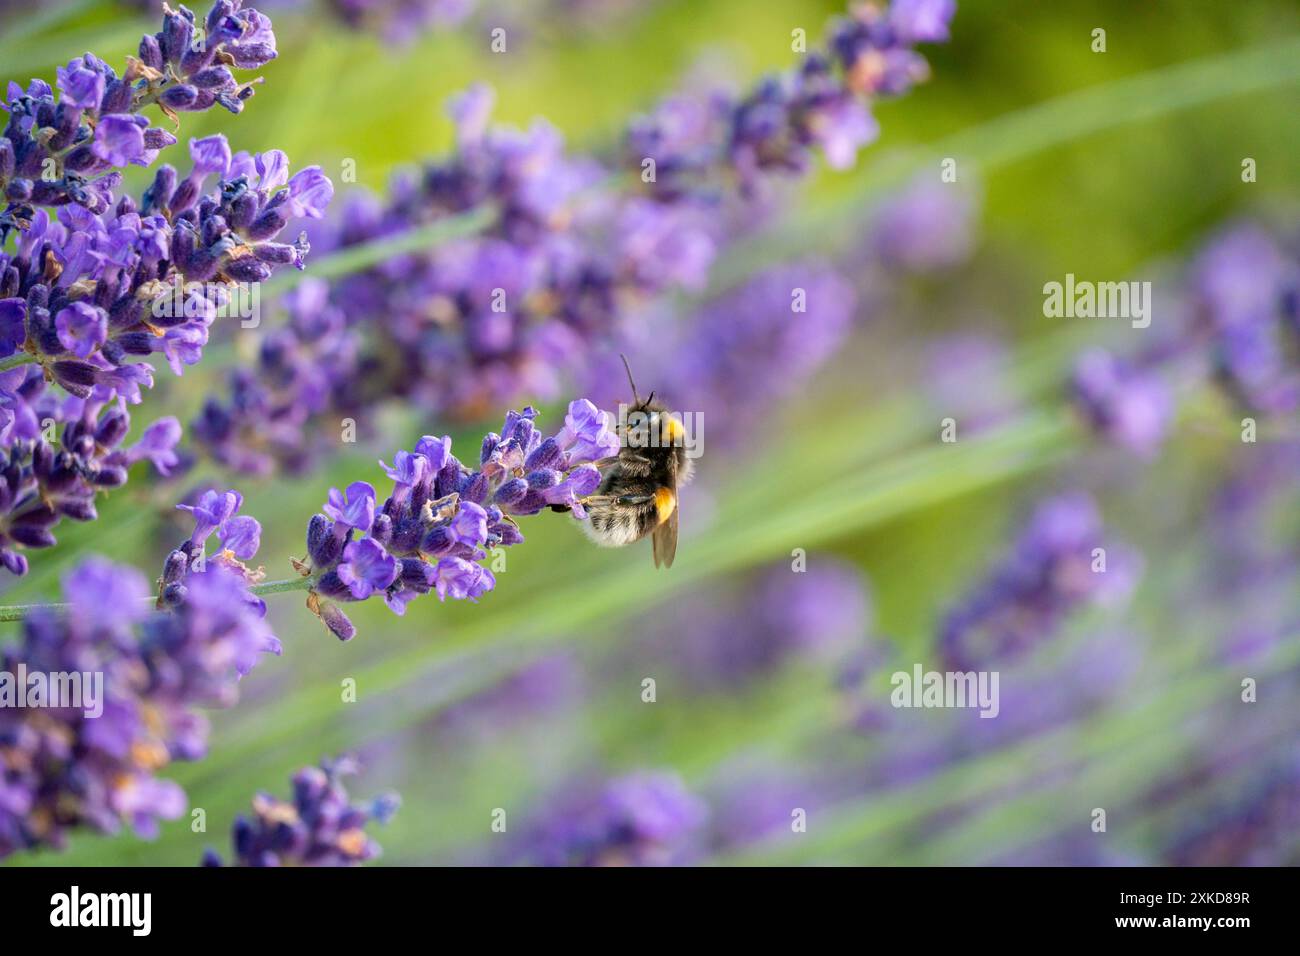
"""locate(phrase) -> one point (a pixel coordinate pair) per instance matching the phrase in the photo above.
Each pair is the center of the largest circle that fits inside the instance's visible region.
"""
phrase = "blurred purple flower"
(927, 227)
(1062, 559)
(68, 768)
(1121, 402)
(569, 260)
(318, 826)
(642, 819)
(922, 21)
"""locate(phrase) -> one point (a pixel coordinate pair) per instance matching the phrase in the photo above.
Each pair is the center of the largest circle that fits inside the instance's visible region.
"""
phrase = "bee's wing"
(665, 535)
(664, 539)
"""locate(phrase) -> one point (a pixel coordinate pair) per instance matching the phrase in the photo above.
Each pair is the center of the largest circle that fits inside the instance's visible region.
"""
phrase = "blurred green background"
(850, 474)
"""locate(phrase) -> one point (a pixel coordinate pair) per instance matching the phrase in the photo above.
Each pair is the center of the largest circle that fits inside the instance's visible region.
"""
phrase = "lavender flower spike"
(94, 283)
(1122, 402)
(318, 826)
(92, 124)
(1054, 567)
(643, 819)
(442, 519)
(44, 481)
(94, 766)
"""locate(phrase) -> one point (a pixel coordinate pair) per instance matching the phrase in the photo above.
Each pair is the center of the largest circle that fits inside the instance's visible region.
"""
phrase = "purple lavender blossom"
(302, 372)
(642, 819)
(927, 227)
(442, 518)
(95, 124)
(824, 104)
(239, 536)
(318, 826)
(966, 376)
(42, 481)
(1242, 287)
(72, 768)
(1254, 827)
(82, 328)
(366, 568)
(353, 509)
(922, 21)
(1053, 568)
(1121, 402)
(745, 350)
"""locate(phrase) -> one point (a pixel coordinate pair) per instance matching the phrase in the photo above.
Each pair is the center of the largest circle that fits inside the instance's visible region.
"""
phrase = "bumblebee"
(637, 495)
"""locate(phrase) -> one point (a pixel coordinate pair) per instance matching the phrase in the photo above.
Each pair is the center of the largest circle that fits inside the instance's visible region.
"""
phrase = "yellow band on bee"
(665, 502)
(673, 429)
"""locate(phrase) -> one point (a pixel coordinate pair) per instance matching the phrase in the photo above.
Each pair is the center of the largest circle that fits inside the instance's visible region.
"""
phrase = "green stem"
(280, 587)
(18, 612)
(364, 255)
(13, 361)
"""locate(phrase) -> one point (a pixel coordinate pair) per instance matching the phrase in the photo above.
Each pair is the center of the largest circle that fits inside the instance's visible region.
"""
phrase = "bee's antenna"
(635, 397)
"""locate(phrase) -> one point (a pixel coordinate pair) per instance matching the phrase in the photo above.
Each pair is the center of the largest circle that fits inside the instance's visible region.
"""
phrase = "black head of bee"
(649, 429)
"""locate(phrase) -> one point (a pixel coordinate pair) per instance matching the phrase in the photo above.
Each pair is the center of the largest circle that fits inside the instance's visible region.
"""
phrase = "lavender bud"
(117, 98)
(109, 476)
(276, 253)
(113, 428)
(175, 36)
(194, 61)
(511, 492)
(179, 97)
(150, 52)
(267, 226)
(331, 585)
(337, 622)
(248, 269)
(155, 137)
(156, 196)
(78, 509)
(323, 548)
(175, 567)
(32, 537)
(547, 455)
(76, 377)
(382, 529)
(213, 78)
